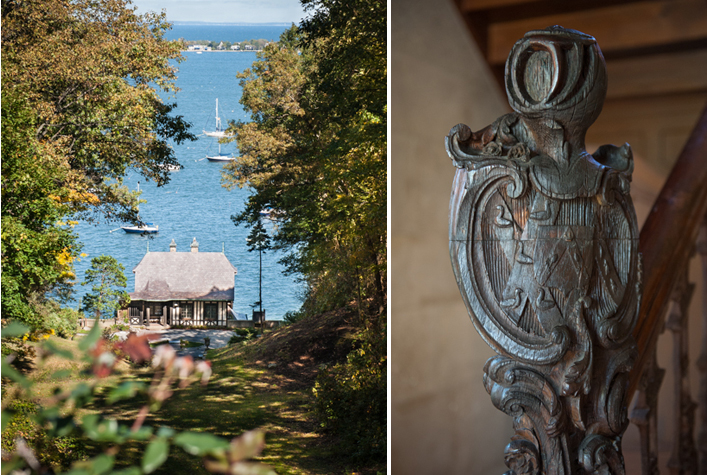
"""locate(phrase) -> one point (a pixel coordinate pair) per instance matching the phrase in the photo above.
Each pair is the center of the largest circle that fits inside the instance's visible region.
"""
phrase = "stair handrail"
(667, 240)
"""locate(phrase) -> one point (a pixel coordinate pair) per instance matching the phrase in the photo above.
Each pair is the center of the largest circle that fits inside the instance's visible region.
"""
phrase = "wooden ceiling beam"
(476, 5)
(627, 26)
(658, 74)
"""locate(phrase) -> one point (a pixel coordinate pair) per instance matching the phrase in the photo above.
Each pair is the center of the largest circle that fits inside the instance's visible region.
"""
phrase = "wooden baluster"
(702, 359)
(645, 415)
(684, 457)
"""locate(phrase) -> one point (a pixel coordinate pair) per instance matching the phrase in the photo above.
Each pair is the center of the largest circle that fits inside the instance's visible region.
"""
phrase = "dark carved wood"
(701, 363)
(684, 456)
(544, 246)
(645, 415)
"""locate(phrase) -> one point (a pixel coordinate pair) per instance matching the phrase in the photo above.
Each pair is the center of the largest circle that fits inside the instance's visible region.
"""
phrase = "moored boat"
(218, 132)
(220, 157)
(148, 228)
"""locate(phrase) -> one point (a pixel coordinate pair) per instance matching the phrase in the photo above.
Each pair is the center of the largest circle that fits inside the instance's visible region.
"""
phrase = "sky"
(226, 11)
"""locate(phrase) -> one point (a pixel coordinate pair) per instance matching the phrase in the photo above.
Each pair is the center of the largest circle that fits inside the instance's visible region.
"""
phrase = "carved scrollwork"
(522, 458)
(524, 393)
(544, 246)
(600, 455)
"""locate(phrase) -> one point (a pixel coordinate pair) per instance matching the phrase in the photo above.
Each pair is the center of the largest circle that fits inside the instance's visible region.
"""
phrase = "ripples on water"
(194, 204)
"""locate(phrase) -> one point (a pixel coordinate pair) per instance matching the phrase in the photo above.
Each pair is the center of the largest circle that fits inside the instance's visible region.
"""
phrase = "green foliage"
(87, 68)
(37, 248)
(315, 150)
(64, 321)
(79, 110)
(57, 452)
(258, 239)
(120, 327)
(40, 437)
(351, 398)
(315, 153)
(107, 276)
(107, 334)
(292, 317)
(243, 334)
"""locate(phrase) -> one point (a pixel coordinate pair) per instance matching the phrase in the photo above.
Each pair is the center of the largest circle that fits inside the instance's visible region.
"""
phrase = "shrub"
(108, 334)
(292, 317)
(19, 352)
(34, 435)
(119, 327)
(351, 398)
(64, 321)
(56, 452)
(243, 334)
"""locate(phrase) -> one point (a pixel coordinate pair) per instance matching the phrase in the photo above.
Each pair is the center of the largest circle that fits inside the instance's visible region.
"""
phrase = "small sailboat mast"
(218, 124)
(218, 132)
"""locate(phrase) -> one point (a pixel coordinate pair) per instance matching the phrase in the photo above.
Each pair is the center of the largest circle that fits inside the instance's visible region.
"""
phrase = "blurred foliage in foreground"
(46, 438)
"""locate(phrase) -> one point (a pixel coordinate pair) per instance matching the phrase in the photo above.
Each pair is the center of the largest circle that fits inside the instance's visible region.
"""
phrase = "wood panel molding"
(623, 27)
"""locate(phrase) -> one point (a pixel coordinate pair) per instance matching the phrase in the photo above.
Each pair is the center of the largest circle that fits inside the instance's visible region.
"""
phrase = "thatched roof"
(162, 276)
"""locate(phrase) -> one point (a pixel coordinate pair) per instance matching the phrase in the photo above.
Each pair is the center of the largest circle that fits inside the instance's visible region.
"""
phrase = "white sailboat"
(220, 157)
(148, 228)
(218, 132)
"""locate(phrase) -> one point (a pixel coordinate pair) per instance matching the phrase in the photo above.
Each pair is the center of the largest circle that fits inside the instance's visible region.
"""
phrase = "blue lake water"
(194, 204)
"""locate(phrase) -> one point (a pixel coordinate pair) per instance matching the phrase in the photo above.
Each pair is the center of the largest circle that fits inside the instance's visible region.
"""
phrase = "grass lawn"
(239, 397)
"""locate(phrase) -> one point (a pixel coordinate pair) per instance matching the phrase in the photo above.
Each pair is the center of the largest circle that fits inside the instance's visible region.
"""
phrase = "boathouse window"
(156, 310)
(186, 311)
(135, 311)
(210, 311)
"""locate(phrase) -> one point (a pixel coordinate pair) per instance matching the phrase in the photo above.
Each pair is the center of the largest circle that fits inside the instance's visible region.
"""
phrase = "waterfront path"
(218, 339)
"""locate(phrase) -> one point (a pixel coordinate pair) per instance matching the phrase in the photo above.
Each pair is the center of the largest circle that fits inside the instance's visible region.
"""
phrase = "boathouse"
(183, 288)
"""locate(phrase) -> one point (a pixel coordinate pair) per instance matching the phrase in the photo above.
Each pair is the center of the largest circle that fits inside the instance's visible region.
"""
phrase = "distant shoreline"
(222, 51)
(208, 23)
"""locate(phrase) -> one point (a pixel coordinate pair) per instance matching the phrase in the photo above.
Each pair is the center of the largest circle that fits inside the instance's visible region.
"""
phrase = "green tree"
(315, 150)
(259, 240)
(91, 71)
(38, 245)
(80, 84)
(106, 277)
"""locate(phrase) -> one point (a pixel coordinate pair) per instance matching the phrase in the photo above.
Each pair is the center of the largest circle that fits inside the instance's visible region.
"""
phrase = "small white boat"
(271, 213)
(218, 132)
(220, 157)
(149, 228)
(171, 168)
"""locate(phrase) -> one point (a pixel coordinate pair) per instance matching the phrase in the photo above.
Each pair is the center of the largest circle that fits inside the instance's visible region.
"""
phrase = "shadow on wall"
(442, 417)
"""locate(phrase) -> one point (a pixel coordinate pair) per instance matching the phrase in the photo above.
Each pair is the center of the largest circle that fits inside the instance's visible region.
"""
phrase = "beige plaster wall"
(442, 419)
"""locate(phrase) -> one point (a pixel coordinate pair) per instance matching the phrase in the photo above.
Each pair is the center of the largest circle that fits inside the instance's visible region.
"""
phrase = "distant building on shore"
(183, 288)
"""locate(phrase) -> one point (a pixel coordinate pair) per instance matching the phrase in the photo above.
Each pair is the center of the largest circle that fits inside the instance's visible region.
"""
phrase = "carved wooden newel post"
(544, 245)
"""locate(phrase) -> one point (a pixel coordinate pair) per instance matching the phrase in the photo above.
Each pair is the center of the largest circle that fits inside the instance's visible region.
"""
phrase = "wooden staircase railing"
(668, 240)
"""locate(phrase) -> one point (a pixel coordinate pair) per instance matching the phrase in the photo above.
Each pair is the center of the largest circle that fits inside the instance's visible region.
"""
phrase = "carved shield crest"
(527, 259)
